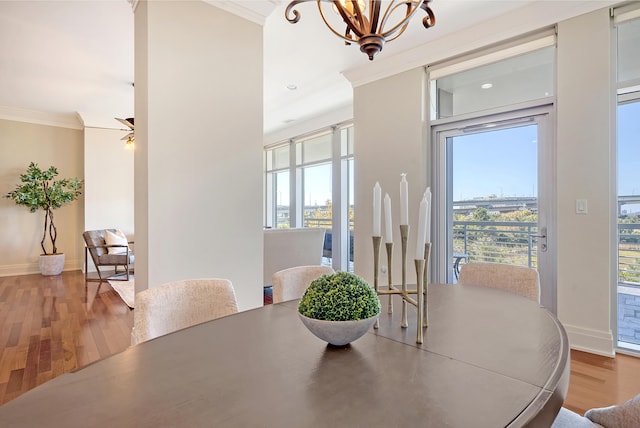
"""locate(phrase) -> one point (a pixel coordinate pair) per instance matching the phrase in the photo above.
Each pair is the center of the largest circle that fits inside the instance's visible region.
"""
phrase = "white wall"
(198, 164)
(21, 230)
(109, 196)
(109, 192)
(586, 170)
(388, 142)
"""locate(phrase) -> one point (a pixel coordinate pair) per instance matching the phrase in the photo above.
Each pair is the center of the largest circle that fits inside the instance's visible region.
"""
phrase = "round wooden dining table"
(489, 359)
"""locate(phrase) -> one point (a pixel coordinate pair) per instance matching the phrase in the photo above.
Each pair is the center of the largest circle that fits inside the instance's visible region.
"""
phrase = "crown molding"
(252, 10)
(61, 120)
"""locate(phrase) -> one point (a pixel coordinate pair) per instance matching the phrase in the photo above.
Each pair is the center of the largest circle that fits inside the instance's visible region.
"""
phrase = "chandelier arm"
(392, 6)
(350, 26)
(351, 23)
(429, 20)
(347, 36)
(398, 33)
(359, 14)
(290, 9)
(374, 14)
(412, 8)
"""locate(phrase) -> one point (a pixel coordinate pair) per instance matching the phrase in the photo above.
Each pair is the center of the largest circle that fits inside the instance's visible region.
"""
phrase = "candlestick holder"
(376, 259)
(422, 279)
(419, 298)
(425, 281)
(404, 236)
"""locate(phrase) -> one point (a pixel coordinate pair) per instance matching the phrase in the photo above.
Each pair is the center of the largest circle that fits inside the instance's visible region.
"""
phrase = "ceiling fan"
(130, 136)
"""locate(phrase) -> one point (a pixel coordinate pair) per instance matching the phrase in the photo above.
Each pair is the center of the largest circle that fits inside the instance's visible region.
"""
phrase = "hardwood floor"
(50, 326)
(598, 381)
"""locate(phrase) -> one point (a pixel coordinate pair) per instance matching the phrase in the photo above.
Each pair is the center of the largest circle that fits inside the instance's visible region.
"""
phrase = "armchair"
(108, 248)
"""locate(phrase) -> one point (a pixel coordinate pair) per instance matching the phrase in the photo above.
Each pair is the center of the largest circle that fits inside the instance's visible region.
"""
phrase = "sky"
(629, 149)
(501, 163)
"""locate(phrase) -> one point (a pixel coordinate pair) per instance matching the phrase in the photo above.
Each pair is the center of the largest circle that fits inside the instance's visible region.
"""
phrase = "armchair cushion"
(116, 238)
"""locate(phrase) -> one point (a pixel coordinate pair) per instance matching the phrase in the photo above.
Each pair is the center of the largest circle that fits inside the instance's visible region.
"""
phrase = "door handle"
(543, 236)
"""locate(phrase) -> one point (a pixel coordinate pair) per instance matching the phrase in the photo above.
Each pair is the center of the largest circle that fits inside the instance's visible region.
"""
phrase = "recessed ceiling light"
(486, 85)
(292, 87)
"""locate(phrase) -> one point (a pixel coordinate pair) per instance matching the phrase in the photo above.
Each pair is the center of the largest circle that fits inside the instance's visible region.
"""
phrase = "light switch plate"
(581, 206)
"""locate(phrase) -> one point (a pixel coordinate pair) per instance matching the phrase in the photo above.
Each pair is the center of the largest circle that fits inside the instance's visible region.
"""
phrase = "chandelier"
(365, 24)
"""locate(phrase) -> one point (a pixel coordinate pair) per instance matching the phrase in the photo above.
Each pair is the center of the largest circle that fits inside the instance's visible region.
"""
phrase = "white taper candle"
(388, 234)
(428, 228)
(404, 200)
(422, 224)
(377, 206)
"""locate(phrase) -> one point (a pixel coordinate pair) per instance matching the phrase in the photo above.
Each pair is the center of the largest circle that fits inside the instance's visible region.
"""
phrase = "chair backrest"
(286, 248)
(177, 305)
(290, 284)
(517, 279)
(95, 238)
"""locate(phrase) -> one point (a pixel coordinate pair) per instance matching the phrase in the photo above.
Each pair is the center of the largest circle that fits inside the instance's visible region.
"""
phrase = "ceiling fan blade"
(129, 135)
(128, 121)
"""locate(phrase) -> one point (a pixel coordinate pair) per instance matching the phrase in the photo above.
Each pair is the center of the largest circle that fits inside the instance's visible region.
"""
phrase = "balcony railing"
(512, 243)
(496, 242)
(629, 254)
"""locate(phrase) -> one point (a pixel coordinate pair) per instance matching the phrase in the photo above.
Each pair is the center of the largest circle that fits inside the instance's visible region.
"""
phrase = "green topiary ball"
(341, 296)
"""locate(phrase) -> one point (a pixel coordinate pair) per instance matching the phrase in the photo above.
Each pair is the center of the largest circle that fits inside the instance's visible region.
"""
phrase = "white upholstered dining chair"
(176, 305)
(290, 284)
(517, 279)
(626, 415)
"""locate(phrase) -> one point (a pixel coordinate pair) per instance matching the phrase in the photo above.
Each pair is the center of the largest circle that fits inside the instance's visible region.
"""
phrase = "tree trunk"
(44, 233)
(53, 232)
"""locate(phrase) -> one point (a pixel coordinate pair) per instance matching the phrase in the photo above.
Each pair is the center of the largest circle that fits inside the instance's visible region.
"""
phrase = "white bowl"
(338, 333)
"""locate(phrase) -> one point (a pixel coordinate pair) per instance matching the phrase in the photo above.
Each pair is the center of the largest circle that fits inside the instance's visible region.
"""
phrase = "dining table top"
(489, 358)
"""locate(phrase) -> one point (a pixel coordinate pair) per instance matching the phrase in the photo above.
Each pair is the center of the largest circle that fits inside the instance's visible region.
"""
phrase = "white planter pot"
(338, 333)
(51, 264)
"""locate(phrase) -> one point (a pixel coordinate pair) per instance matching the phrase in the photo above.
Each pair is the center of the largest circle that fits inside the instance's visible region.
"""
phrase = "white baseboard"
(32, 268)
(592, 341)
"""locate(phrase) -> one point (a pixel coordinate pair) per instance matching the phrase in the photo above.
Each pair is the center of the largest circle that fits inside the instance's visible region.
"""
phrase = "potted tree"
(339, 308)
(40, 191)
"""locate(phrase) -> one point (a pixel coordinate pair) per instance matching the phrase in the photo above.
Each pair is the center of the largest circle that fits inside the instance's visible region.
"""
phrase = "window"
(277, 181)
(515, 74)
(309, 183)
(628, 110)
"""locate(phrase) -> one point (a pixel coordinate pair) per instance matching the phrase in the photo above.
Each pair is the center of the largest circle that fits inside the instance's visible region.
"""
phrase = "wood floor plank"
(15, 381)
